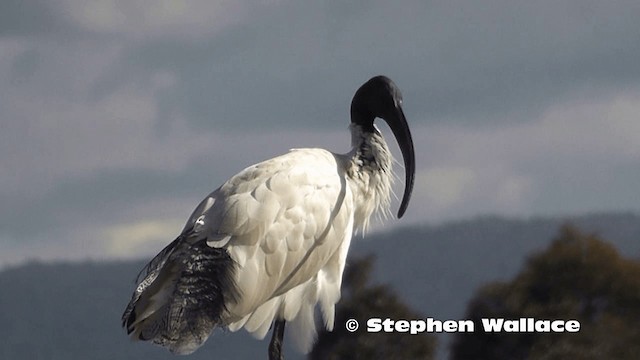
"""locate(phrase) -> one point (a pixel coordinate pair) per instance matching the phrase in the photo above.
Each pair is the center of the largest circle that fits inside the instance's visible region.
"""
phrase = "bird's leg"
(275, 347)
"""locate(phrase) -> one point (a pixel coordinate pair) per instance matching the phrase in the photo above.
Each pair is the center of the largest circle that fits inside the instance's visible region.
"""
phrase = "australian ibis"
(270, 245)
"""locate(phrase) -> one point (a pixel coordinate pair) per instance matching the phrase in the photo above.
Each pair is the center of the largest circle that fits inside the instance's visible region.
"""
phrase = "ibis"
(269, 246)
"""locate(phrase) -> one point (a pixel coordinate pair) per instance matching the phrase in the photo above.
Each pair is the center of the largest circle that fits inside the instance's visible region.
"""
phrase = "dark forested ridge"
(579, 278)
(72, 311)
(437, 268)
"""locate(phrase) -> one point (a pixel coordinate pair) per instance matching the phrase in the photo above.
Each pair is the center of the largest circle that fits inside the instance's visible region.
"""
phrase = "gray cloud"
(33, 18)
(491, 61)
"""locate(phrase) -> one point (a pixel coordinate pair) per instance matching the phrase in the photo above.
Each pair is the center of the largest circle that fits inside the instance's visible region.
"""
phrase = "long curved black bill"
(400, 130)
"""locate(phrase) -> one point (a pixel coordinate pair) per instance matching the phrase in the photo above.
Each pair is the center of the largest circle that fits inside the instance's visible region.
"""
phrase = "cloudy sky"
(117, 117)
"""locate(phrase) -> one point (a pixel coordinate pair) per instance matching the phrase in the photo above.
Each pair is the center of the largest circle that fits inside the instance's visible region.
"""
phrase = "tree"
(578, 277)
(362, 301)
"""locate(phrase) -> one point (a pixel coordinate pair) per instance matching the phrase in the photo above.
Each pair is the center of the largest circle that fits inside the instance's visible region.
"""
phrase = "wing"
(280, 221)
(265, 242)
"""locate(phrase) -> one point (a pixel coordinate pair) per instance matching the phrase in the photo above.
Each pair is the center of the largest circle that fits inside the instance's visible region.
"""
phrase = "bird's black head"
(380, 98)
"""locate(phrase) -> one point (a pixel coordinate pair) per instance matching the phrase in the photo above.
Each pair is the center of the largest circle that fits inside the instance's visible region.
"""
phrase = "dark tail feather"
(182, 296)
(146, 278)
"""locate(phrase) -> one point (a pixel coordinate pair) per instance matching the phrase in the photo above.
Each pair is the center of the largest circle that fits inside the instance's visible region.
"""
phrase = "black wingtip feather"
(201, 281)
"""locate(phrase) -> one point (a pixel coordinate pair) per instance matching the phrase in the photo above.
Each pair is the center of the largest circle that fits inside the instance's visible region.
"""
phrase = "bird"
(269, 246)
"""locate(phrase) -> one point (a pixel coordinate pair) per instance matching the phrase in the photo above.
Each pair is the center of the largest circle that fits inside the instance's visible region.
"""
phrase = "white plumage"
(271, 243)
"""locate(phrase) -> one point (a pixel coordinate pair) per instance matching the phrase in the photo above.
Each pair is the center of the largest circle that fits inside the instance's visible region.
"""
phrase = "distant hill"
(72, 311)
(436, 269)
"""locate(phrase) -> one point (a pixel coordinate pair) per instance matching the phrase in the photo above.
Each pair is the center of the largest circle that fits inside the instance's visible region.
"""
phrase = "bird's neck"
(370, 174)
